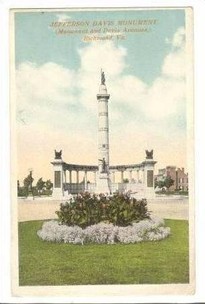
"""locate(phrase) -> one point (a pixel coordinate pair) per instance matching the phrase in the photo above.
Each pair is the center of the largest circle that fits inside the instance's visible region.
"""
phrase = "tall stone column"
(58, 172)
(103, 182)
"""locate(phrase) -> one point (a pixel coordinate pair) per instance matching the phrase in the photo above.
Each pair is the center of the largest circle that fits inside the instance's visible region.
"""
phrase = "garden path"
(42, 209)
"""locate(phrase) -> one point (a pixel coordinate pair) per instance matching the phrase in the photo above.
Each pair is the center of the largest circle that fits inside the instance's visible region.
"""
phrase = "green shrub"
(88, 209)
(23, 192)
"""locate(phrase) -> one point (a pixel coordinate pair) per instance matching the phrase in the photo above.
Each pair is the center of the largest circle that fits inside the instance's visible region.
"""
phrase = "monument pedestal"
(58, 191)
(58, 194)
(103, 184)
(149, 193)
(149, 175)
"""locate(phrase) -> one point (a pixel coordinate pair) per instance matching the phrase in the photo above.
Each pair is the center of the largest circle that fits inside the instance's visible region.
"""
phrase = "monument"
(142, 186)
(103, 181)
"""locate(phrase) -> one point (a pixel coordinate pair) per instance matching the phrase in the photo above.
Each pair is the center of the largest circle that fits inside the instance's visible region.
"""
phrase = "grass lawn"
(44, 263)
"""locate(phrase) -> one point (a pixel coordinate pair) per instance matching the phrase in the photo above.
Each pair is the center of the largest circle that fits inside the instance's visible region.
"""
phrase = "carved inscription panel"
(150, 178)
(57, 179)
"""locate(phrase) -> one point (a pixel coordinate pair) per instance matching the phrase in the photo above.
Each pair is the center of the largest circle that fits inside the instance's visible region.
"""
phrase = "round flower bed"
(152, 229)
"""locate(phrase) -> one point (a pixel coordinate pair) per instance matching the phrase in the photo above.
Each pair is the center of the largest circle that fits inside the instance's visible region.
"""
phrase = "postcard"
(102, 151)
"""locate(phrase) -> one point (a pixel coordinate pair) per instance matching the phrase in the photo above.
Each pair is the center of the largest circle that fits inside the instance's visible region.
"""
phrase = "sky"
(58, 77)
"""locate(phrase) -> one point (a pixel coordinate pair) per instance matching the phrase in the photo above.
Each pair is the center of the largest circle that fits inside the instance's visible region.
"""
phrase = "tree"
(28, 183)
(49, 184)
(159, 183)
(40, 185)
(168, 182)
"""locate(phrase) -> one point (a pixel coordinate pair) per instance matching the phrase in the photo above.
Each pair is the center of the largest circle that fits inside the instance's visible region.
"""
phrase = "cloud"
(58, 88)
(166, 96)
(63, 17)
(162, 99)
(178, 40)
(51, 97)
(48, 82)
(174, 63)
(103, 54)
(44, 92)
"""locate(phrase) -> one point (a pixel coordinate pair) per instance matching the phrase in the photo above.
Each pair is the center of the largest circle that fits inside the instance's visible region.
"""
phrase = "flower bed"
(152, 229)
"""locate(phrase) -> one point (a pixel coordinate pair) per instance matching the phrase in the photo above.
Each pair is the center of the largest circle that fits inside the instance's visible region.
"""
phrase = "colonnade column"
(138, 175)
(122, 176)
(143, 175)
(70, 176)
(77, 176)
(65, 178)
(130, 176)
(113, 177)
(85, 180)
(95, 178)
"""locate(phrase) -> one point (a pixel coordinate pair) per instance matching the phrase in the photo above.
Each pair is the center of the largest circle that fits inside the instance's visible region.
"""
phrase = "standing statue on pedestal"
(104, 167)
(102, 77)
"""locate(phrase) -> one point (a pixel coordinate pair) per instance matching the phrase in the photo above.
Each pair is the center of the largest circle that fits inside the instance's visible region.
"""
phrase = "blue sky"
(36, 42)
(57, 78)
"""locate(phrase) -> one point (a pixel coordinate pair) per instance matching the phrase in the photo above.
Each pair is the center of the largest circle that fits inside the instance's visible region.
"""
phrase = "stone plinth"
(103, 184)
(58, 192)
(149, 178)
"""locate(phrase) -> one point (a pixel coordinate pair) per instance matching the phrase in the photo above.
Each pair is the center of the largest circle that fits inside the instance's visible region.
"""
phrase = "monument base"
(149, 193)
(58, 194)
(103, 184)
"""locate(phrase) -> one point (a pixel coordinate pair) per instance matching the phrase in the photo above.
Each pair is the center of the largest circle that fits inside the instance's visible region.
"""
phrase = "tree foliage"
(40, 185)
(41, 188)
(28, 180)
(166, 182)
(48, 184)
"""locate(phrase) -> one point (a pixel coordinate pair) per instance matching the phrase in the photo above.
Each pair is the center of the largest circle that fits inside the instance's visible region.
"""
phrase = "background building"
(180, 178)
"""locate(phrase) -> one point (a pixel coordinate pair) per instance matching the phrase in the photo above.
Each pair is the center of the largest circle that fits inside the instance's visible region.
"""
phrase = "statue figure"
(104, 170)
(102, 78)
(149, 154)
(58, 154)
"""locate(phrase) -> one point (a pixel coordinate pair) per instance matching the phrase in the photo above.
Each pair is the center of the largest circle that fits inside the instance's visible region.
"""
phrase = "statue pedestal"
(103, 184)
(57, 194)
(58, 191)
(149, 193)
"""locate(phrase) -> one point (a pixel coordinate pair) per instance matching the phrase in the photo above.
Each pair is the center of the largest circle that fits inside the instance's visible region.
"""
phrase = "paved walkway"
(41, 209)
(170, 209)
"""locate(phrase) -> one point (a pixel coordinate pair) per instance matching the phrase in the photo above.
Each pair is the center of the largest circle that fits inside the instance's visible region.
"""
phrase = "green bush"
(88, 209)
(23, 192)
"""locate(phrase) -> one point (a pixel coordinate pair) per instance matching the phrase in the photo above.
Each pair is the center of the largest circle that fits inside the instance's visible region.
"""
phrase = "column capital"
(103, 96)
